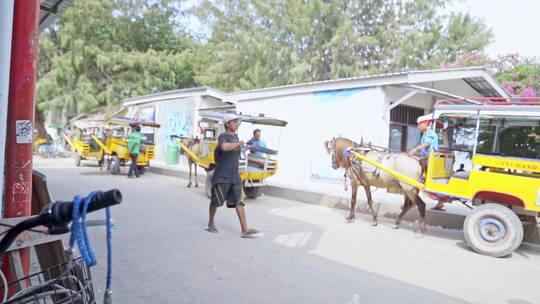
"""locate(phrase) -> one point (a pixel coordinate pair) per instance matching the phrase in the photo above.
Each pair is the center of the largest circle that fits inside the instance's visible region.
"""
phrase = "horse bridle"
(330, 149)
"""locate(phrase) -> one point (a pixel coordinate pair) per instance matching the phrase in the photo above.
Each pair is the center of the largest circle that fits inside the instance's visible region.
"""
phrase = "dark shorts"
(233, 194)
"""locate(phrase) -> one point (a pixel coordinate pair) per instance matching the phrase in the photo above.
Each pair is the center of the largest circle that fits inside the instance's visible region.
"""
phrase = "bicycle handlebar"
(58, 215)
(62, 212)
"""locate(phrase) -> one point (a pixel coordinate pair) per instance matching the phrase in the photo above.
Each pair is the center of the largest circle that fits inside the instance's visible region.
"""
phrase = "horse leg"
(354, 188)
(406, 206)
(189, 164)
(196, 179)
(422, 210)
(370, 204)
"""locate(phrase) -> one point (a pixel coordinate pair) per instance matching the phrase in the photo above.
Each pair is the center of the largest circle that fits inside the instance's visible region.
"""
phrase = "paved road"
(306, 253)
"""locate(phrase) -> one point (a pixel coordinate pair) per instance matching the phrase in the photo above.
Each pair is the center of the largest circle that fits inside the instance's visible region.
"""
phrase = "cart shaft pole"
(393, 173)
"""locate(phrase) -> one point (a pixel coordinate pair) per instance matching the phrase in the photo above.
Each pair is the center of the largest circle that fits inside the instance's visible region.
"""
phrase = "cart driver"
(255, 142)
(429, 142)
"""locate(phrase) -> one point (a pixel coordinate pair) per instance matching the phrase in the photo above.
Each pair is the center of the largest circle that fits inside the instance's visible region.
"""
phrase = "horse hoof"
(350, 219)
(395, 226)
(189, 186)
(374, 224)
(196, 186)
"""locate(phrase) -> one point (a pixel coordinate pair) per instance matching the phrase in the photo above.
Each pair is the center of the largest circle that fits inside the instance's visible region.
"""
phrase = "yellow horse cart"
(82, 142)
(255, 166)
(498, 144)
(115, 143)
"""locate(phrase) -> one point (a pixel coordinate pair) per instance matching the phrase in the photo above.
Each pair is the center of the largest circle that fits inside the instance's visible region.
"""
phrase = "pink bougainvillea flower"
(529, 92)
(509, 90)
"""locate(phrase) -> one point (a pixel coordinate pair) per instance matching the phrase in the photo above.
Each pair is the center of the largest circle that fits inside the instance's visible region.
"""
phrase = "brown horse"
(367, 175)
(193, 144)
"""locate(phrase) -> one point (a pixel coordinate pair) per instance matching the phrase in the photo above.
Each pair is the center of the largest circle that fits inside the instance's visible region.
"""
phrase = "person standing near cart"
(134, 145)
(226, 182)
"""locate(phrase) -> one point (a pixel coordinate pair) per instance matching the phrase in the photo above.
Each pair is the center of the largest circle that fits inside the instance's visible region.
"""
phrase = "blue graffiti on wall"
(178, 123)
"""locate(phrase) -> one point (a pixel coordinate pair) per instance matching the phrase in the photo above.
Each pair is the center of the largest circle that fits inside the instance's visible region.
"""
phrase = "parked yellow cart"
(82, 142)
(498, 144)
(115, 143)
(255, 168)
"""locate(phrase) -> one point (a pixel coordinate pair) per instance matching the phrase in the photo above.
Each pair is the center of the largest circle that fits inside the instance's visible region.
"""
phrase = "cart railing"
(100, 143)
(70, 143)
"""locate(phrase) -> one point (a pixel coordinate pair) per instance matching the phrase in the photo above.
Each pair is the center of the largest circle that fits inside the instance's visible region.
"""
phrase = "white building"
(176, 112)
(381, 109)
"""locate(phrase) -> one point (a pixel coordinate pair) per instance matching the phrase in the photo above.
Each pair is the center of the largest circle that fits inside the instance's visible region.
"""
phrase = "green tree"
(101, 52)
(256, 43)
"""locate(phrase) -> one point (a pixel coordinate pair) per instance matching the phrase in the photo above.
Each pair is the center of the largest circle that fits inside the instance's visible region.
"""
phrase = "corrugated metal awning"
(482, 86)
(50, 9)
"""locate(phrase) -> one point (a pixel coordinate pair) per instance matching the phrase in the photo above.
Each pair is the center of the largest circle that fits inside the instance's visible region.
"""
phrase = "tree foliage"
(100, 52)
(256, 43)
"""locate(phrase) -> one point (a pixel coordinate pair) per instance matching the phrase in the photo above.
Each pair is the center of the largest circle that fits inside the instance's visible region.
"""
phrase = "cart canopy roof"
(87, 124)
(505, 114)
(124, 121)
(254, 119)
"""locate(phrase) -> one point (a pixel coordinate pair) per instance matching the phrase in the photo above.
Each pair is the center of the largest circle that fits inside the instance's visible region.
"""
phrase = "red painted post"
(18, 159)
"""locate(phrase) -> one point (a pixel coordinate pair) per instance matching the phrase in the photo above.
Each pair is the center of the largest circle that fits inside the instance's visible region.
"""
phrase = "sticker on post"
(23, 131)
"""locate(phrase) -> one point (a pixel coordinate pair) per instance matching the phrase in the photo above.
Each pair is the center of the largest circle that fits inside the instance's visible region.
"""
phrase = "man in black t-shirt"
(226, 182)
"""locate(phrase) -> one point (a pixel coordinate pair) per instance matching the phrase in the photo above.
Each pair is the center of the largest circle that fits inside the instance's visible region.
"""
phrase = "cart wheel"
(78, 159)
(114, 165)
(208, 183)
(252, 192)
(493, 230)
(142, 169)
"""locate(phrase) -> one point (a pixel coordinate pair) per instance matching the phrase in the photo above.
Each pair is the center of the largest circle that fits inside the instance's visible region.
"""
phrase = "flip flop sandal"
(212, 229)
(438, 209)
(252, 231)
(248, 236)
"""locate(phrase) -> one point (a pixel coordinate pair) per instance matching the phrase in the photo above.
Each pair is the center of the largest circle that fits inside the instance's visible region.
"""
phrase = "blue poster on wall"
(334, 96)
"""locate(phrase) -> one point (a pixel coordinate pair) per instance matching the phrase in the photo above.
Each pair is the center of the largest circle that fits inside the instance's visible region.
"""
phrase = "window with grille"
(404, 135)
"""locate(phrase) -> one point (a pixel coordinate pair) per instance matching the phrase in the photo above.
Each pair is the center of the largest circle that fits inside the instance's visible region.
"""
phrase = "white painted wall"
(295, 140)
(302, 157)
